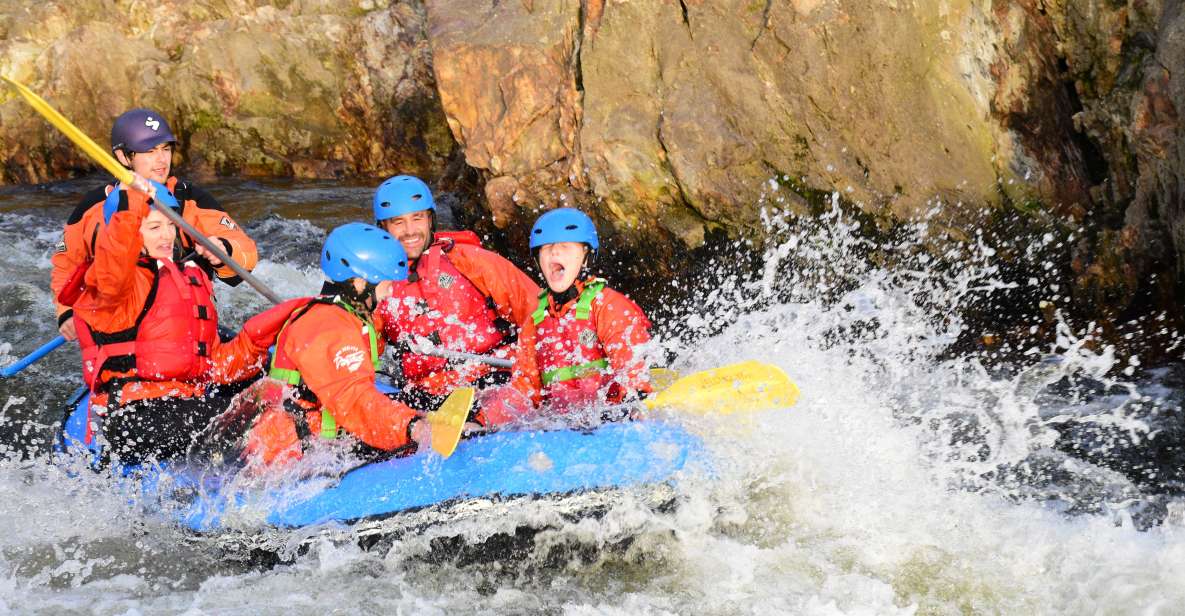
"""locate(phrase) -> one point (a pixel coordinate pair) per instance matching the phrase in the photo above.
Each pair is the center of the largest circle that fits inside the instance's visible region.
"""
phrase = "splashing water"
(905, 480)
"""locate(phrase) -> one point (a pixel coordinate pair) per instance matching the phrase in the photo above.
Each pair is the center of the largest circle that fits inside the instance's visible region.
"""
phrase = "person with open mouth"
(580, 349)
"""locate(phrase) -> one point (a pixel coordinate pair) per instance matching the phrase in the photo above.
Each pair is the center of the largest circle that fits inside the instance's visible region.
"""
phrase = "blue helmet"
(564, 225)
(402, 194)
(364, 251)
(140, 130)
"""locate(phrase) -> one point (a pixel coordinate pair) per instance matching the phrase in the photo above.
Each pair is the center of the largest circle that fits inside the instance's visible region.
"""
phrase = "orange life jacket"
(171, 340)
(567, 350)
(439, 303)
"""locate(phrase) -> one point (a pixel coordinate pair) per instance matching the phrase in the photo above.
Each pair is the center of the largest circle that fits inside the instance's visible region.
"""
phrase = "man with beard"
(458, 297)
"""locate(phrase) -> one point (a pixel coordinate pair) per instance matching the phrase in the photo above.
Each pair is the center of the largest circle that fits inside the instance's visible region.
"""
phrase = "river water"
(904, 481)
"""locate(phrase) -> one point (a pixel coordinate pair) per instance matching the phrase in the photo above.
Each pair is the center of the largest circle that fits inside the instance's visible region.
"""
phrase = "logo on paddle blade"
(349, 357)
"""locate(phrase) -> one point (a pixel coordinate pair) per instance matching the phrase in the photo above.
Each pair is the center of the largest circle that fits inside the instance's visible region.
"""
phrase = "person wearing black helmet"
(142, 141)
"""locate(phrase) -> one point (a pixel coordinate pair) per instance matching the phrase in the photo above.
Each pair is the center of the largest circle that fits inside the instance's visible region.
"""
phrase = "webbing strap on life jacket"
(293, 377)
(443, 242)
(583, 311)
(328, 425)
(567, 373)
(430, 278)
(583, 304)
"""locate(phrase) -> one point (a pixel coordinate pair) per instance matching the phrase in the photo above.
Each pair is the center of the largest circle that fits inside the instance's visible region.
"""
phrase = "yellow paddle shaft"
(85, 143)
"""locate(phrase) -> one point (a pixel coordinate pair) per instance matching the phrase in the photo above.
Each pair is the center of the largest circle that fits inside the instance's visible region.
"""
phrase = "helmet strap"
(590, 259)
(364, 302)
(127, 154)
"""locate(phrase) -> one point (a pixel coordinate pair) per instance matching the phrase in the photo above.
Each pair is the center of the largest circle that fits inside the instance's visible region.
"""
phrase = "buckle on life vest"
(202, 351)
(193, 280)
(201, 312)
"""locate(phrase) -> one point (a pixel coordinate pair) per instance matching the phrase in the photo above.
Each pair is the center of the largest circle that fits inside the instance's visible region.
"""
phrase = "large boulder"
(690, 113)
(686, 110)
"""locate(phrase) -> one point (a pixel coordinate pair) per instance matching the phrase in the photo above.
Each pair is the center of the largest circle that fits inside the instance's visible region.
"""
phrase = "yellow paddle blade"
(736, 388)
(92, 149)
(448, 421)
(662, 378)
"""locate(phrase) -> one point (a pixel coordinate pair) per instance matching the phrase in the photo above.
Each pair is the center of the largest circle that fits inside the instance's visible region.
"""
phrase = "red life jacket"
(172, 337)
(438, 302)
(571, 360)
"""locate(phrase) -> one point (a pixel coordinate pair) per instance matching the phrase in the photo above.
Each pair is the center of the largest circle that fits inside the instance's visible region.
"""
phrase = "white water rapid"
(904, 481)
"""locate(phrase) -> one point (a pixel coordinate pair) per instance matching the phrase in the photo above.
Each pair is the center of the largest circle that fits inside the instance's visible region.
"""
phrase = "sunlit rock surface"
(314, 89)
(672, 119)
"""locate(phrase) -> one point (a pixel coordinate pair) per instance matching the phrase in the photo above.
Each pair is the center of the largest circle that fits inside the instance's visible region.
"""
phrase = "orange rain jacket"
(330, 349)
(118, 285)
(198, 208)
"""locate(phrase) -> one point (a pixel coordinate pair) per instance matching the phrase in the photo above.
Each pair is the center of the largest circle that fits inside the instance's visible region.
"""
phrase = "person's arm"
(117, 248)
(519, 397)
(515, 295)
(236, 360)
(245, 355)
(622, 327)
(204, 212)
(72, 251)
(334, 360)
(524, 376)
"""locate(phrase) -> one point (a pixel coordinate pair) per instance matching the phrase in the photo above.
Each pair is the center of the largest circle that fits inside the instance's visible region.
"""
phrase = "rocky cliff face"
(675, 114)
(1126, 65)
(672, 120)
(312, 89)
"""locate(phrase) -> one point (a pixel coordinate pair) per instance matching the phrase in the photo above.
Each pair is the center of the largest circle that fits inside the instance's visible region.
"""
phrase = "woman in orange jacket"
(580, 348)
(148, 329)
(328, 352)
(142, 141)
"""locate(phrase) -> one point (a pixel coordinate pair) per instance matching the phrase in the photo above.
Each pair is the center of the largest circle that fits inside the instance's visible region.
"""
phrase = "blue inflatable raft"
(499, 465)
